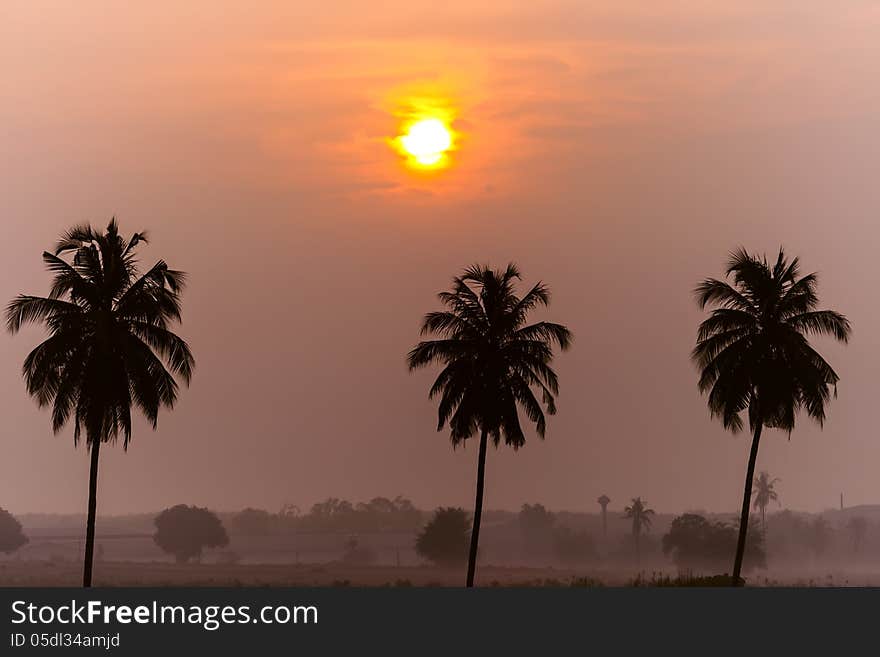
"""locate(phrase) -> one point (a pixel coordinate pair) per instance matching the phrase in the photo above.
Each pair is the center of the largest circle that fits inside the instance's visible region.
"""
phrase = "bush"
(445, 539)
(185, 531)
(11, 536)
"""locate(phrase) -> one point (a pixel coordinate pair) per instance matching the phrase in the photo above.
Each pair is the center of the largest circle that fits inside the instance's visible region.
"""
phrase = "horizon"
(488, 510)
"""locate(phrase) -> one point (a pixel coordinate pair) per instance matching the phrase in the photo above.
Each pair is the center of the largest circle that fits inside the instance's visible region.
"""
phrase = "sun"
(426, 142)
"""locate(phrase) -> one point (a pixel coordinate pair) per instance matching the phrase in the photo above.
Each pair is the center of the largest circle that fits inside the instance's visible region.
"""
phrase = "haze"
(616, 152)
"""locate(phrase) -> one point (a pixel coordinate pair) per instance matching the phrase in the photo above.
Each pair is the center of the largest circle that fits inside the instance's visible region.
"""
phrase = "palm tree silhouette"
(641, 519)
(491, 362)
(765, 492)
(754, 355)
(108, 338)
(604, 501)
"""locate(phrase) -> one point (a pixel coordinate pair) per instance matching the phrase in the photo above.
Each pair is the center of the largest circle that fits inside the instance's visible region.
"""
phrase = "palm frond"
(822, 322)
(26, 309)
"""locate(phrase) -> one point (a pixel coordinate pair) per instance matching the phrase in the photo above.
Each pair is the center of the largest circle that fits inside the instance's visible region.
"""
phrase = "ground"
(49, 573)
(125, 573)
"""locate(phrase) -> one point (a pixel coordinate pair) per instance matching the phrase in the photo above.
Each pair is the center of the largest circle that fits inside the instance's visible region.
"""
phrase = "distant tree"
(184, 531)
(11, 535)
(444, 540)
(691, 540)
(858, 529)
(251, 522)
(407, 516)
(536, 526)
(290, 511)
(641, 520)
(820, 535)
(764, 493)
(787, 531)
(110, 344)
(492, 364)
(377, 505)
(694, 542)
(604, 501)
(573, 547)
(378, 514)
(356, 553)
(381, 513)
(754, 356)
(332, 506)
(332, 513)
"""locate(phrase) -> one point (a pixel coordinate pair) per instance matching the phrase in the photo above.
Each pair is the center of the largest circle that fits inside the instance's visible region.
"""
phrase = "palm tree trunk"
(747, 499)
(478, 510)
(95, 447)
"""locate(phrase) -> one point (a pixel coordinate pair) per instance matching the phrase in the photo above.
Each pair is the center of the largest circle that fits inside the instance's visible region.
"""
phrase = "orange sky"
(615, 150)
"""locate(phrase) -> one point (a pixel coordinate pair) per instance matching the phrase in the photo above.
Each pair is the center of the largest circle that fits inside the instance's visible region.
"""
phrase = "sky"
(616, 150)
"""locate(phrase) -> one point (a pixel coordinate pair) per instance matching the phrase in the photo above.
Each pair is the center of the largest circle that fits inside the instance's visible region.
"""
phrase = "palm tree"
(765, 492)
(604, 501)
(492, 363)
(108, 338)
(754, 355)
(641, 519)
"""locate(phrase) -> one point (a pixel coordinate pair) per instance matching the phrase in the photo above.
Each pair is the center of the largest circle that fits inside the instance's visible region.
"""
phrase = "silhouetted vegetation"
(543, 537)
(573, 547)
(379, 514)
(357, 553)
(764, 492)
(444, 540)
(684, 580)
(697, 544)
(11, 535)
(754, 356)
(334, 515)
(604, 501)
(536, 526)
(491, 362)
(108, 337)
(858, 529)
(640, 516)
(251, 522)
(185, 531)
